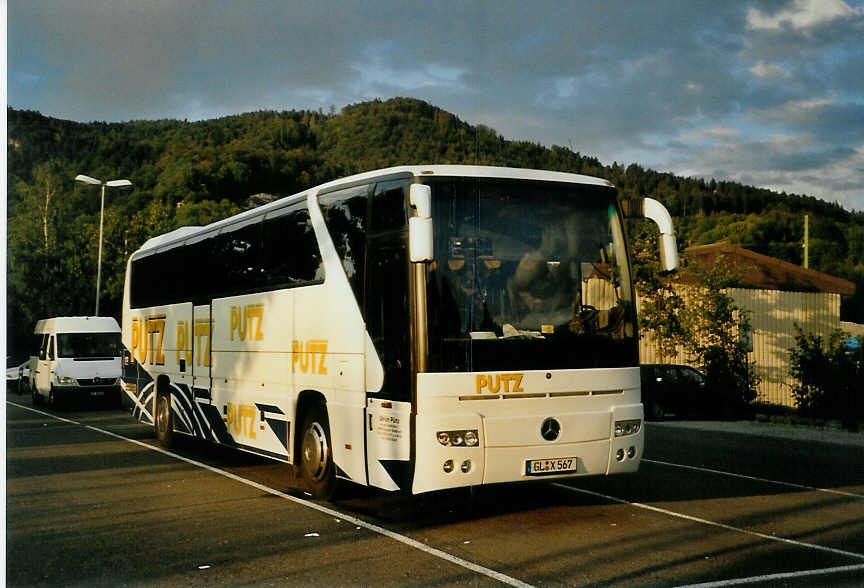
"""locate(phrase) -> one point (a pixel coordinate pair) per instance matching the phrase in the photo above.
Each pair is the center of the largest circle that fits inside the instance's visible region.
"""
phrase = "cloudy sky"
(769, 93)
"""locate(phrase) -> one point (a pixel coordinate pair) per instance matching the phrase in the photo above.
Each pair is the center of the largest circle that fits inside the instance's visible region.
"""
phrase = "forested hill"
(196, 172)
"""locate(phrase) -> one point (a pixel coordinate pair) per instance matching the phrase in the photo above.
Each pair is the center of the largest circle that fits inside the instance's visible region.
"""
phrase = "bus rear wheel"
(163, 420)
(316, 455)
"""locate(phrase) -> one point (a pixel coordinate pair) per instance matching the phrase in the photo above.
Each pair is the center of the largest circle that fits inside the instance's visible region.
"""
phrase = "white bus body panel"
(586, 403)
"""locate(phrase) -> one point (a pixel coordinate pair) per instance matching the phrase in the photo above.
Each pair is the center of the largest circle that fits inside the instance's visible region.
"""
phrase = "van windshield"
(88, 345)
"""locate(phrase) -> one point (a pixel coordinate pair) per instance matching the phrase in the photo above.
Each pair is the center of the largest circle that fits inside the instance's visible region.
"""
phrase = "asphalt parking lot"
(92, 501)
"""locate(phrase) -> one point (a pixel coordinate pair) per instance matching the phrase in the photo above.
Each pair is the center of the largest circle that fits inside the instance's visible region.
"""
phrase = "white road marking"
(753, 478)
(777, 577)
(503, 578)
(679, 515)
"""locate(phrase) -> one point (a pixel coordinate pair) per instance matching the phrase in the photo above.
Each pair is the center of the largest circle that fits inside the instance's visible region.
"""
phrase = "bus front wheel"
(164, 420)
(316, 456)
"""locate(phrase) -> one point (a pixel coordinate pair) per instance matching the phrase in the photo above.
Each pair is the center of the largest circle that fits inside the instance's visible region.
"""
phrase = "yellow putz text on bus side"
(240, 419)
(303, 356)
(246, 321)
(148, 336)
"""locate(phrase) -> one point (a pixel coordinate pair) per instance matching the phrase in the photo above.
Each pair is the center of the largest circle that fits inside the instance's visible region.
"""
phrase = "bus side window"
(291, 255)
(389, 206)
(237, 250)
(345, 216)
(43, 348)
(51, 354)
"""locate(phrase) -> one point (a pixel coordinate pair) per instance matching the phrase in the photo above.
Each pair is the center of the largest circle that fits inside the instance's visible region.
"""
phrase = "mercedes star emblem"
(550, 429)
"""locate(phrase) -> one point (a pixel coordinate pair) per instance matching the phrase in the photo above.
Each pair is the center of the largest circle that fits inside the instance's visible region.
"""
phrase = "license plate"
(548, 467)
(97, 393)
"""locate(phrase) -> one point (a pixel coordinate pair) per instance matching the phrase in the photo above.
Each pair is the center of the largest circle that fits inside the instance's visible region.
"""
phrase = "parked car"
(16, 374)
(669, 389)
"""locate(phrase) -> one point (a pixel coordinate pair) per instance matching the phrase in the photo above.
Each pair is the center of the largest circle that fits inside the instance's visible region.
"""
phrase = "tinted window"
(345, 215)
(291, 255)
(389, 206)
(279, 251)
(237, 260)
(387, 312)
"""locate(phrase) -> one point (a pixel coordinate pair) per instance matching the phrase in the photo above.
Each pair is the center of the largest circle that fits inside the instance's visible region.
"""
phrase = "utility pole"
(806, 241)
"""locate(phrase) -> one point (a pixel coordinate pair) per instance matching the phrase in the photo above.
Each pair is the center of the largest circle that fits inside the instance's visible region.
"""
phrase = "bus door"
(202, 327)
(389, 410)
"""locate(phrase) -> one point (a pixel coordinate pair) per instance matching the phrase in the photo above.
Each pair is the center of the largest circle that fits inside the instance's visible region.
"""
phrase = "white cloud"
(716, 133)
(800, 14)
(767, 70)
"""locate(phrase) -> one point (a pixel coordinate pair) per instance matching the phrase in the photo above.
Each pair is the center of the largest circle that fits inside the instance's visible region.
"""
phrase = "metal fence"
(773, 316)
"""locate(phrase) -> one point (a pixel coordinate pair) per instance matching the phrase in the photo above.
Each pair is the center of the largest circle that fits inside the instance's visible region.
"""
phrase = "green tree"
(828, 377)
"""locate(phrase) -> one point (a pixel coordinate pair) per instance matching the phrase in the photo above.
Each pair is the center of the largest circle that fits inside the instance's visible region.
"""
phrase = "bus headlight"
(625, 428)
(460, 438)
(65, 381)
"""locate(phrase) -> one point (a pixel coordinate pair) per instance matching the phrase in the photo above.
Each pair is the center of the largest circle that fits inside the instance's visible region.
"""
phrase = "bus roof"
(404, 171)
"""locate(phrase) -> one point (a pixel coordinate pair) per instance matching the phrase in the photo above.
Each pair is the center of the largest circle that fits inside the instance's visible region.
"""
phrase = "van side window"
(43, 348)
(51, 347)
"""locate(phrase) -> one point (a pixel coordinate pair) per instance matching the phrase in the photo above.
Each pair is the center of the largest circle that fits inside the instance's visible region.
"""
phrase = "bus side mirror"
(420, 227)
(652, 209)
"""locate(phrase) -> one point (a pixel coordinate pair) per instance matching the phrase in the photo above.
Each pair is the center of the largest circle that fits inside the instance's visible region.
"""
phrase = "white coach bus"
(414, 328)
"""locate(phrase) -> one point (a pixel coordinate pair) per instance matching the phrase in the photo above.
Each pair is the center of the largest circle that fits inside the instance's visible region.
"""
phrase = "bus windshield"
(528, 275)
(89, 345)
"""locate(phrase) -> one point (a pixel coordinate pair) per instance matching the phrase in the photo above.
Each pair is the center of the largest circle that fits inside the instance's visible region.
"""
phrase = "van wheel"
(316, 455)
(163, 420)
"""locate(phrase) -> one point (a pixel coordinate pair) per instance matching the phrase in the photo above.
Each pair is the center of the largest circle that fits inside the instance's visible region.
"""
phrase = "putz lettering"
(493, 383)
(240, 419)
(246, 322)
(148, 338)
(303, 356)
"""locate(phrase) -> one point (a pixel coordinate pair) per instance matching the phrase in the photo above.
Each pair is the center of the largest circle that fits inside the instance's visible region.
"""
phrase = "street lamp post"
(110, 184)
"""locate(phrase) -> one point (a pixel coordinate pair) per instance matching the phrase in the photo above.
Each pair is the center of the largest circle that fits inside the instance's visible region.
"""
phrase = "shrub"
(830, 381)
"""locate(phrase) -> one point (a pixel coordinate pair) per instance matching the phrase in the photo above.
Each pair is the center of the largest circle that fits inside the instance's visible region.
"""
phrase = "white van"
(76, 357)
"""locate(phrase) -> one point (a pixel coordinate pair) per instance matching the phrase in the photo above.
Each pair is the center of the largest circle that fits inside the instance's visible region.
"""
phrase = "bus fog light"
(631, 452)
(466, 466)
(620, 455)
(448, 466)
